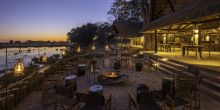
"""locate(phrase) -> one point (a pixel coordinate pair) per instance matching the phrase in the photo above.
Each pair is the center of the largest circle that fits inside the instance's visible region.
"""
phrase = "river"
(26, 54)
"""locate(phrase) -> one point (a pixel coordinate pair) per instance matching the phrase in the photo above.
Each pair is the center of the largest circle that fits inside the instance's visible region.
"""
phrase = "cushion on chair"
(149, 106)
(92, 107)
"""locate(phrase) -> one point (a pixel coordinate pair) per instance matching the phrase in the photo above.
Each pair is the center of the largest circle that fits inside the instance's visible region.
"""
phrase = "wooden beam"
(174, 29)
(161, 9)
(152, 3)
(180, 26)
(187, 26)
(171, 5)
(155, 36)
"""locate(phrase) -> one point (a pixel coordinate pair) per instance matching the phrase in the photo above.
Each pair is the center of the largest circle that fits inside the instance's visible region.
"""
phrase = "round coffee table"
(69, 80)
(96, 89)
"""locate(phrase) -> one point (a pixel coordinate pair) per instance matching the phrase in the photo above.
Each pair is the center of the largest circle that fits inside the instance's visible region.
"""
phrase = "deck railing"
(14, 93)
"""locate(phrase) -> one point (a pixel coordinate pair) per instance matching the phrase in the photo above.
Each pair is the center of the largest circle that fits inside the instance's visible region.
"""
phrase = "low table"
(197, 48)
(96, 89)
(69, 80)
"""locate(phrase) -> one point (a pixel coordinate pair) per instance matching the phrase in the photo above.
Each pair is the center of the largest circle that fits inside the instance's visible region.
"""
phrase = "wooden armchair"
(93, 102)
(179, 95)
(48, 90)
(143, 100)
(65, 96)
(148, 104)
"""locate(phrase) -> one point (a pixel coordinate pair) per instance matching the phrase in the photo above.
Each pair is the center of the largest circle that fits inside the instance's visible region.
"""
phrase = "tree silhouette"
(84, 34)
(124, 10)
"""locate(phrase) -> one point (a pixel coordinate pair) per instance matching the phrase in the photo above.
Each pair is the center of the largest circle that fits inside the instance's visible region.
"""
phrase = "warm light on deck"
(19, 67)
(156, 64)
(164, 59)
(207, 38)
(196, 31)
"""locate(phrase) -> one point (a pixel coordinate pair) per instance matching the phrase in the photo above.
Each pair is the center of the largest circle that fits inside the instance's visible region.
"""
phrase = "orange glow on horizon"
(33, 38)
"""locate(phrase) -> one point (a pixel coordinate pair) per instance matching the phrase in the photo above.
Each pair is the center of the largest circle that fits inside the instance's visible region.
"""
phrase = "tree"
(126, 10)
(11, 41)
(85, 33)
(104, 31)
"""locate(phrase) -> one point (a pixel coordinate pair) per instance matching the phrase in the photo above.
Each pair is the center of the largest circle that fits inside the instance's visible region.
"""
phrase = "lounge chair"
(93, 102)
(143, 100)
(65, 96)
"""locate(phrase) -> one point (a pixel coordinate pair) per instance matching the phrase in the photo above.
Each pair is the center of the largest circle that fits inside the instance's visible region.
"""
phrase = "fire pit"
(112, 78)
(112, 74)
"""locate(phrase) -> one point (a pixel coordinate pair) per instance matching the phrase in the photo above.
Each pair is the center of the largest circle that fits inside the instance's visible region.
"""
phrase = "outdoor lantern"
(106, 47)
(19, 67)
(93, 47)
(63, 52)
(78, 49)
(44, 58)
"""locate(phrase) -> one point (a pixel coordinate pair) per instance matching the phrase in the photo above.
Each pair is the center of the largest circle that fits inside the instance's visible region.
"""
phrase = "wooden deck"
(119, 93)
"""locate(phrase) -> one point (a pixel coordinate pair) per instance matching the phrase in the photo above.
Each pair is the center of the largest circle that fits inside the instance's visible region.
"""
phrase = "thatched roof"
(155, 9)
(199, 11)
(128, 29)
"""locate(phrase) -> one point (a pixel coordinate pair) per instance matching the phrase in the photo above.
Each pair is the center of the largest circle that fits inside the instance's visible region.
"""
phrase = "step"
(205, 90)
(165, 71)
(209, 83)
(178, 62)
(209, 71)
(213, 94)
(168, 62)
(171, 68)
(211, 77)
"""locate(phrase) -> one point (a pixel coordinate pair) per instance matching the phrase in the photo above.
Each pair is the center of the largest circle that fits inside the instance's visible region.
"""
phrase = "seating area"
(74, 83)
(110, 55)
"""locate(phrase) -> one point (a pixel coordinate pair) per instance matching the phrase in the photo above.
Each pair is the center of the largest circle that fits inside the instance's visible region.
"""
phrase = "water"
(13, 54)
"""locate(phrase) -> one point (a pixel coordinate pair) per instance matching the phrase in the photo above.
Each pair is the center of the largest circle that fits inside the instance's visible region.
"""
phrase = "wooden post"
(155, 36)
(6, 58)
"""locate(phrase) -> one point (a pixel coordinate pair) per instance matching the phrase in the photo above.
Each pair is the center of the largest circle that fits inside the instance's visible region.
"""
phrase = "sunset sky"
(47, 19)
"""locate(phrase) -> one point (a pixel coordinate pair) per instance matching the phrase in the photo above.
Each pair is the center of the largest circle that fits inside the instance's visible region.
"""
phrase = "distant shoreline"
(26, 45)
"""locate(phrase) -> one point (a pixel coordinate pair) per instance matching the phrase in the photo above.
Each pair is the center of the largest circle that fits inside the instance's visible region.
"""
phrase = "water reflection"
(26, 54)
